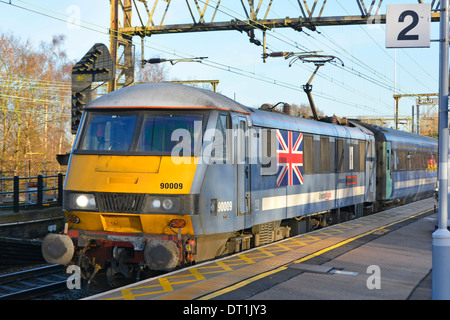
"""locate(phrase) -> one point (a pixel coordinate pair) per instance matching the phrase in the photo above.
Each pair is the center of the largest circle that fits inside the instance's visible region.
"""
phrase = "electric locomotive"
(163, 175)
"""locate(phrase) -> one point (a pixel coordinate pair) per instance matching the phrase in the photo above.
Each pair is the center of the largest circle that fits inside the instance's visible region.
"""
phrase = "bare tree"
(151, 72)
(34, 100)
(304, 111)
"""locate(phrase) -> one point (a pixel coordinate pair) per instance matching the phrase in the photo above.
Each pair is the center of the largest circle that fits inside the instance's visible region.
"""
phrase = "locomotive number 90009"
(171, 185)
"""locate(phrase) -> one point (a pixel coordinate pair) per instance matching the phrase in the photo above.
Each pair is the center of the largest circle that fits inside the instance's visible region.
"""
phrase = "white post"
(441, 237)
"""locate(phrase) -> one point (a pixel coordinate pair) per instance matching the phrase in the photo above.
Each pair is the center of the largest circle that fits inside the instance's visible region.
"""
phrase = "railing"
(31, 192)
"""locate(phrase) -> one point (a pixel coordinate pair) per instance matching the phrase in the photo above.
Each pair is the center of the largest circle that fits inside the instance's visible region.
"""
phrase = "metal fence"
(31, 192)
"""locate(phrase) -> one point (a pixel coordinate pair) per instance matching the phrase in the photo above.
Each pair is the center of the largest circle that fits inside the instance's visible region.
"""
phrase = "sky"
(365, 85)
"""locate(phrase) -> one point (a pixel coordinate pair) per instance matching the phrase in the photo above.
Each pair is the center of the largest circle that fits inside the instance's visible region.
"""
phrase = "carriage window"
(108, 132)
(401, 160)
(420, 161)
(351, 159)
(324, 154)
(340, 155)
(426, 157)
(394, 159)
(362, 156)
(409, 160)
(388, 158)
(432, 161)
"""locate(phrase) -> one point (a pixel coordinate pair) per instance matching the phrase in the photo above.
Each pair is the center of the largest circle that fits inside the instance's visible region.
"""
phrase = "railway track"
(16, 252)
(32, 283)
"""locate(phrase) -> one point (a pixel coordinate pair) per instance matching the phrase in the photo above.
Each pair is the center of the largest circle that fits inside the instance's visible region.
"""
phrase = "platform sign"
(408, 25)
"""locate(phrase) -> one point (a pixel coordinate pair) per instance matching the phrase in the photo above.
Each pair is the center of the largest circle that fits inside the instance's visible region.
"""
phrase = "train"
(164, 175)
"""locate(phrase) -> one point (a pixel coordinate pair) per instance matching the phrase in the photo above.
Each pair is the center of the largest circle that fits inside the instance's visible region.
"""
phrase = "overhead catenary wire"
(295, 44)
(381, 80)
(217, 65)
(326, 77)
(177, 53)
(257, 77)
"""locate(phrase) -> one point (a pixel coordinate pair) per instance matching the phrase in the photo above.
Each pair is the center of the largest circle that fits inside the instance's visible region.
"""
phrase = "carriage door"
(243, 168)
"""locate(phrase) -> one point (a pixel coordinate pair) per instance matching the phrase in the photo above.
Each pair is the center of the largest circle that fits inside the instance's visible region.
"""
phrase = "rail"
(31, 192)
(32, 283)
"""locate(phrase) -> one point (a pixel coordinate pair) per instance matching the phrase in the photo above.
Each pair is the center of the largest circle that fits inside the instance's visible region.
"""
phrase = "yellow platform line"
(248, 258)
(266, 252)
(297, 242)
(224, 266)
(127, 295)
(283, 246)
(198, 276)
(310, 256)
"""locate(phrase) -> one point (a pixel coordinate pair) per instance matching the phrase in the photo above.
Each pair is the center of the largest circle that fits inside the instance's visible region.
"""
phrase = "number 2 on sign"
(415, 20)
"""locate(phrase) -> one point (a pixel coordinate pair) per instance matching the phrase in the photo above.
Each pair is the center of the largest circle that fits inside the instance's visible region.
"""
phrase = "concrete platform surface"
(384, 256)
(395, 266)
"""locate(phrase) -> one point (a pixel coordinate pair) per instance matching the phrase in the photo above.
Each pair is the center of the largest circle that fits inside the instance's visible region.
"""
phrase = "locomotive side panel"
(336, 168)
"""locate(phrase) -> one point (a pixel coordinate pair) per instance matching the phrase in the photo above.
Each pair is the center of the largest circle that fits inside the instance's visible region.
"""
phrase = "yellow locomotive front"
(127, 200)
(122, 176)
(132, 194)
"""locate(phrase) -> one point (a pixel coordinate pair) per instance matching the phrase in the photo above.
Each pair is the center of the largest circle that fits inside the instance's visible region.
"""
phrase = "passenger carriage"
(407, 164)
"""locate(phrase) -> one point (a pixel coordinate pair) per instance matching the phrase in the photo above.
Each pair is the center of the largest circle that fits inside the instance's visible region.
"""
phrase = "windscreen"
(109, 132)
(159, 132)
(140, 132)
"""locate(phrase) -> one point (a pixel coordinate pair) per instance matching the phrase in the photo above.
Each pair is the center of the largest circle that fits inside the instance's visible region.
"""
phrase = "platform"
(31, 224)
(384, 256)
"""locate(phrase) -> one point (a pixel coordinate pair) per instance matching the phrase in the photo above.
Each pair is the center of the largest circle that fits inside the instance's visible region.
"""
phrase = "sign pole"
(441, 237)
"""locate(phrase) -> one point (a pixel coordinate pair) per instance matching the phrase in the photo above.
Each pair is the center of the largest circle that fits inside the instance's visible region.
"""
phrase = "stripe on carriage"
(414, 182)
(292, 200)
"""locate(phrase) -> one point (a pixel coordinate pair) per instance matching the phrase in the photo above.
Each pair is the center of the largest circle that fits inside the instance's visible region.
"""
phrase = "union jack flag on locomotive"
(290, 158)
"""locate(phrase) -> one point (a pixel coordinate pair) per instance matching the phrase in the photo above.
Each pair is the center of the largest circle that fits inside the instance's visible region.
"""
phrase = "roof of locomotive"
(164, 95)
(283, 121)
(167, 96)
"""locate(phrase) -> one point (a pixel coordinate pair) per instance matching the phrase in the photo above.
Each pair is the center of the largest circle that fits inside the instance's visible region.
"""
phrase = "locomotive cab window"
(117, 132)
(109, 132)
(167, 133)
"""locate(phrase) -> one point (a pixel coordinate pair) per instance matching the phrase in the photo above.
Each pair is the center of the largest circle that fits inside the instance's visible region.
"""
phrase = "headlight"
(167, 204)
(156, 204)
(82, 201)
